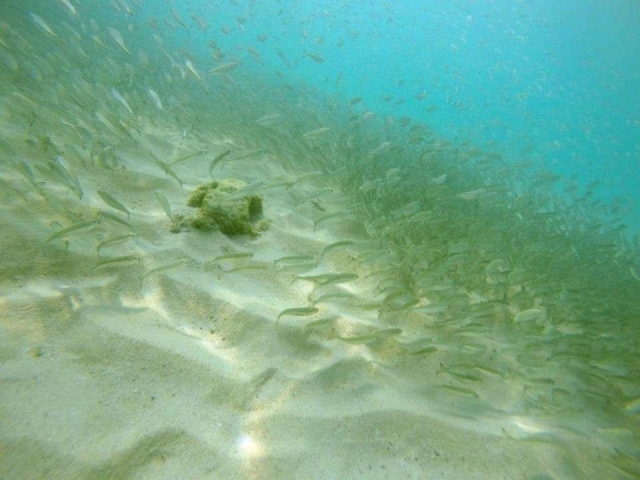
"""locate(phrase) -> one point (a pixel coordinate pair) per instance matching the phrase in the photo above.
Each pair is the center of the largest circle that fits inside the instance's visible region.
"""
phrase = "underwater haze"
(319, 239)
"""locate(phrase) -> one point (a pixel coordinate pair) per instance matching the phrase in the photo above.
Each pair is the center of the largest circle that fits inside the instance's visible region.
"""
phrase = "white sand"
(187, 374)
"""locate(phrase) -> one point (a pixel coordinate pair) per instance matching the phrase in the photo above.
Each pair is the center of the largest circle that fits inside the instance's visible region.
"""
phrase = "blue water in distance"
(553, 82)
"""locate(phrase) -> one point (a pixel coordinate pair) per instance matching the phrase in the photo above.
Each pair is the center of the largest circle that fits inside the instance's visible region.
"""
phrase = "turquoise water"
(478, 162)
(556, 83)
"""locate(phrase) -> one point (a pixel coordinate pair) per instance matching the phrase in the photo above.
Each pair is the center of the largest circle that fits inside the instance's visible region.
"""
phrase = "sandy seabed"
(188, 373)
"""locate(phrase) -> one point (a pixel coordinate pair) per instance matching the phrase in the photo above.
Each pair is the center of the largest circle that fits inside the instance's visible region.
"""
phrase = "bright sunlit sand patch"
(248, 447)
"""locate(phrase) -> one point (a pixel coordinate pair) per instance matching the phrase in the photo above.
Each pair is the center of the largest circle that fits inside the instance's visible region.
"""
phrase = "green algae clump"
(223, 207)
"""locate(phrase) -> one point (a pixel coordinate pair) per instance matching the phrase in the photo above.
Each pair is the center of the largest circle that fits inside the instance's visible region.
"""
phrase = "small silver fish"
(99, 41)
(270, 119)
(202, 24)
(316, 132)
(112, 202)
(112, 217)
(107, 262)
(102, 119)
(473, 194)
(114, 240)
(230, 256)
(69, 179)
(248, 154)
(70, 6)
(293, 259)
(189, 156)
(72, 229)
(383, 146)
(117, 37)
(339, 278)
(166, 168)
(217, 159)
(42, 24)
(117, 96)
(252, 188)
(298, 312)
(330, 216)
(156, 98)
(178, 19)
(224, 68)
(192, 69)
(164, 203)
(314, 56)
(360, 339)
(333, 246)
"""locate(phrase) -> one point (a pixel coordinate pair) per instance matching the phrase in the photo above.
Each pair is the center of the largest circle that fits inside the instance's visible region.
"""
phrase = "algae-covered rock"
(220, 207)
(195, 200)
